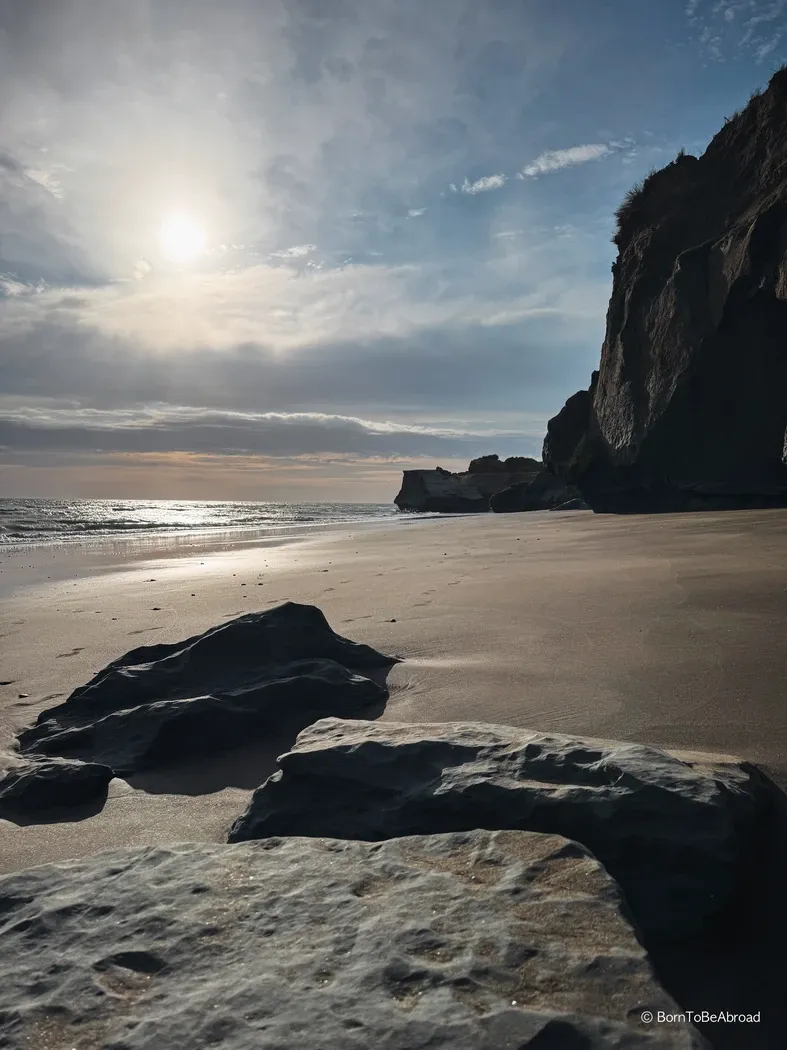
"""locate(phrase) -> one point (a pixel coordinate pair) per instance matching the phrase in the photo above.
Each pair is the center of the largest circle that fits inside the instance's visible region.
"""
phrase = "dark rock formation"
(688, 408)
(441, 491)
(544, 492)
(479, 941)
(50, 784)
(162, 703)
(673, 833)
(573, 504)
(495, 465)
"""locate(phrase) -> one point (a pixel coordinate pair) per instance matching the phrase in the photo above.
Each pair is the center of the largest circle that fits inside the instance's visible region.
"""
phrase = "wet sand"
(667, 630)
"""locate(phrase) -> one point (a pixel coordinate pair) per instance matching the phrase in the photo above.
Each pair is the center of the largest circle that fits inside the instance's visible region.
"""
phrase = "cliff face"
(689, 405)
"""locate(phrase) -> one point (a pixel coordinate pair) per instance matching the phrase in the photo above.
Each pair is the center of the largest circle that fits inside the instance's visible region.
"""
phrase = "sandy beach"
(665, 629)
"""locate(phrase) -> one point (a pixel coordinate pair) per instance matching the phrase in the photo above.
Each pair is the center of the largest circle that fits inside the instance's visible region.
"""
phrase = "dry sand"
(665, 629)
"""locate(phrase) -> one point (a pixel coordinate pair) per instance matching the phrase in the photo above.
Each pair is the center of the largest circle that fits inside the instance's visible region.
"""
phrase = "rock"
(162, 703)
(687, 410)
(159, 733)
(544, 492)
(673, 833)
(441, 491)
(495, 465)
(476, 941)
(567, 430)
(50, 784)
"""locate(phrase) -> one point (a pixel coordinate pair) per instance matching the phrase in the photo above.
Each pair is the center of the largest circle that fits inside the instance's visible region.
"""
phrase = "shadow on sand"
(60, 815)
(245, 766)
(739, 964)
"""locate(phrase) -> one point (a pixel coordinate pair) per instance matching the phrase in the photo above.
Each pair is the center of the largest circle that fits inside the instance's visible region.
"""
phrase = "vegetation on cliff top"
(632, 208)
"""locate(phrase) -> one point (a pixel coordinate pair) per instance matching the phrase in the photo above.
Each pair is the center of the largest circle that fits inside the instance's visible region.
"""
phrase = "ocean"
(48, 521)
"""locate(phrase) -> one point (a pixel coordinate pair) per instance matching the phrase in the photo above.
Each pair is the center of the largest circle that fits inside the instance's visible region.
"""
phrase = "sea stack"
(687, 409)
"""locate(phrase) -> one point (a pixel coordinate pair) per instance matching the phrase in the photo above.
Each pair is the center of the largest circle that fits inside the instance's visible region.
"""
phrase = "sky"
(285, 249)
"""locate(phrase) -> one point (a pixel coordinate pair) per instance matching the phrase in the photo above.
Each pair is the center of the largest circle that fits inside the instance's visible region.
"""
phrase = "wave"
(55, 521)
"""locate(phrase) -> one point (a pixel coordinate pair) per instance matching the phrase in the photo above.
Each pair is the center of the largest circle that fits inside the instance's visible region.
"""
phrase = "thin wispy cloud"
(297, 251)
(165, 429)
(483, 185)
(416, 213)
(729, 28)
(557, 159)
(281, 307)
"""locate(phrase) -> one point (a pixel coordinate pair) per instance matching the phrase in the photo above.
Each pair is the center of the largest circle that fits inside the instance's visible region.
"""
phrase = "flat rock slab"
(673, 833)
(474, 941)
(159, 704)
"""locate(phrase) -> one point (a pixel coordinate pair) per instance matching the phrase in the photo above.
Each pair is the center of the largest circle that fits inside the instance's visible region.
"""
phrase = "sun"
(181, 238)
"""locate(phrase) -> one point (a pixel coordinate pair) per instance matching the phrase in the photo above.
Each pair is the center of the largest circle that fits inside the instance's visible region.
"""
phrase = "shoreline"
(30, 564)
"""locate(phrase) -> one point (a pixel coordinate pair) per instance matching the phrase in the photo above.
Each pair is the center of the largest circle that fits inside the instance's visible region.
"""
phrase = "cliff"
(688, 408)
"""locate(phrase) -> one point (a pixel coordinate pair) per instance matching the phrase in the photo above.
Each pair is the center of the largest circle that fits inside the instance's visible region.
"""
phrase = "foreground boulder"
(50, 784)
(687, 410)
(476, 941)
(159, 704)
(673, 833)
(441, 491)
(544, 492)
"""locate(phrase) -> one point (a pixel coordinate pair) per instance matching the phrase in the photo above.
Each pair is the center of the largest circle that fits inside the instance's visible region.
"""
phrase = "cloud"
(284, 308)
(162, 428)
(296, 252)
(415, 213)
(557, 159)
(482, 185)
(729, 28)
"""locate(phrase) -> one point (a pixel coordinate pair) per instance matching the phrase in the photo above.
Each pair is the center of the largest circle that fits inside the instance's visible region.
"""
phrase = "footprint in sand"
(74, 652)
(8, 681)
(328, 589)
(428, 602)
(143, 630)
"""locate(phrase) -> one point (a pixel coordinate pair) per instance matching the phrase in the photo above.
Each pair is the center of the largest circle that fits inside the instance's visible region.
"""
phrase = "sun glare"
(181, 239)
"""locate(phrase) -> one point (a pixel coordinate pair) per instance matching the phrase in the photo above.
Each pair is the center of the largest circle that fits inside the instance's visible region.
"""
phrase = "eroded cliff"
(688, 407)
